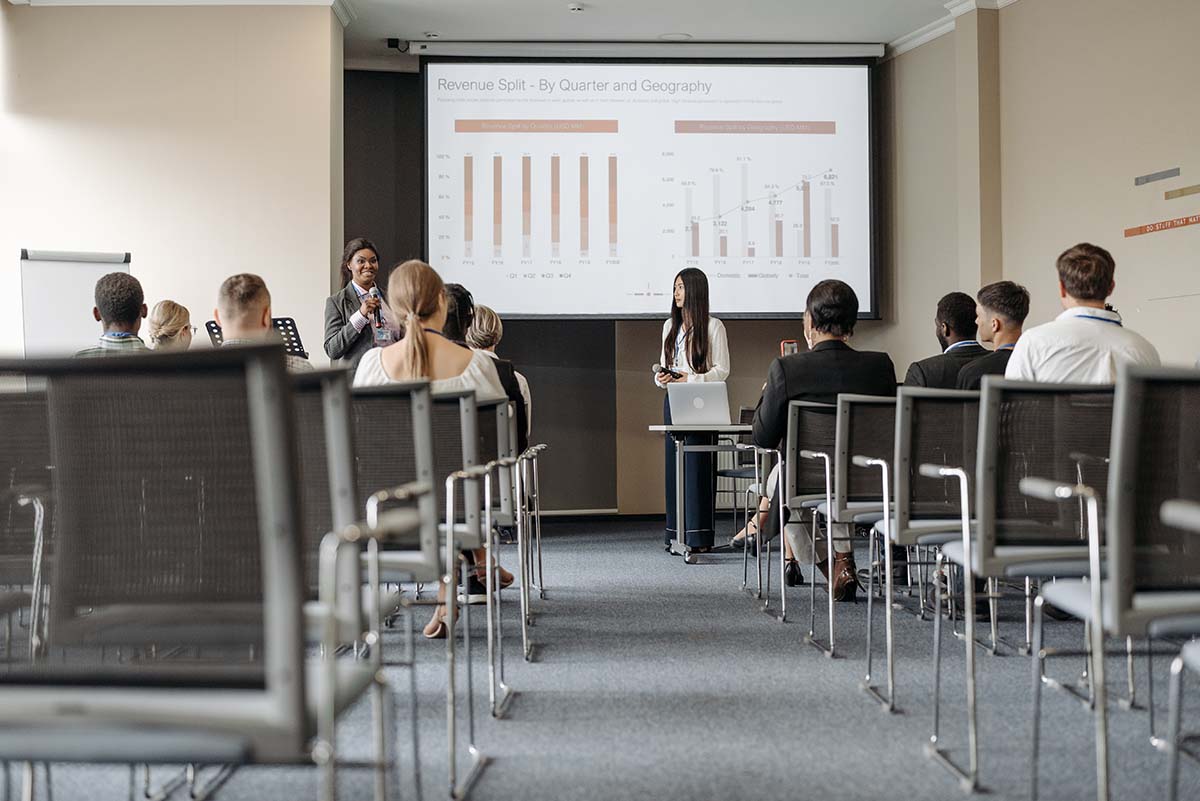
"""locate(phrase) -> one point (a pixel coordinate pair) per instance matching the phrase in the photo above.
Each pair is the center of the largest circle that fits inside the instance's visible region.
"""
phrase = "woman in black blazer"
(349, 312)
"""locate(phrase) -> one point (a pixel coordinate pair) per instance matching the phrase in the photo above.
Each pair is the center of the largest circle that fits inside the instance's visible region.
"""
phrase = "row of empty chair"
(204, 558)
(1060, 493)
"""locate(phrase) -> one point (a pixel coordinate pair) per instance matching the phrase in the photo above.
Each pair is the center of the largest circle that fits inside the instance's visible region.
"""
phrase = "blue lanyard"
(963, 344)
(1099, 319)
(118, 334)
(1005, 347)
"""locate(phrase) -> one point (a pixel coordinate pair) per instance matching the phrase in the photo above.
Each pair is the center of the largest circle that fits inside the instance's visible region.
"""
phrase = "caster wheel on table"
(689, 558)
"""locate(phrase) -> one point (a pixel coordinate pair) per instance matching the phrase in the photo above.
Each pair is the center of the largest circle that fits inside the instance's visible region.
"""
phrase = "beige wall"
(1094, 93)
(917, 258)
(204, 140)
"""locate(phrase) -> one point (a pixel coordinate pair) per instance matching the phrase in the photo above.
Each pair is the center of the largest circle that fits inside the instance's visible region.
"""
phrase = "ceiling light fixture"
(431, 34)
(575, 8)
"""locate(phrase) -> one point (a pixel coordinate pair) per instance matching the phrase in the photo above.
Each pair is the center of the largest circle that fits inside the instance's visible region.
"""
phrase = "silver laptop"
(701, 403)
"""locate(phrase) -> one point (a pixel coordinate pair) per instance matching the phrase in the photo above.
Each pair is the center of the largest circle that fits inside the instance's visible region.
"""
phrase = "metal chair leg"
(1038, 662)
(1173, 724)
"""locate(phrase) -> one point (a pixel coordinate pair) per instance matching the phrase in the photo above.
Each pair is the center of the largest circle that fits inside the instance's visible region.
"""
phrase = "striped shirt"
(295, 364)
(115, 344)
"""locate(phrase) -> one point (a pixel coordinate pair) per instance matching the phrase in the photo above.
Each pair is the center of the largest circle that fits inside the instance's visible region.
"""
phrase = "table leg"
(680, 502)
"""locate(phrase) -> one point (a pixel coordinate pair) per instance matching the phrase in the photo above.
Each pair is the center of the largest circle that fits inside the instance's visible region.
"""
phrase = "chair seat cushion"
(1034, 561)
(853, 510)
(746, 473)
(96, 742)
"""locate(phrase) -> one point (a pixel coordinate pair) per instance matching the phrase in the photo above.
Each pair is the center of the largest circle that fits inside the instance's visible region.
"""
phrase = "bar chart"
(760, 219)
(540, 196)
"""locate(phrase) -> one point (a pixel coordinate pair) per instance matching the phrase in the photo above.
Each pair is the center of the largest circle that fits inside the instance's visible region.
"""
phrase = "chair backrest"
(933, 426)
(495, 430)
(393, 432)
(24, 470)
(325, 460)
(455, 446)
(1055, 431)
(744, 458)
(177, 523)
(865, 426)
(811, 426)
(1156, 457)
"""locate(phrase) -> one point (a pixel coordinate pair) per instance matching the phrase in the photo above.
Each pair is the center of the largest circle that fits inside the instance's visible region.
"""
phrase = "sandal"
(436, 628)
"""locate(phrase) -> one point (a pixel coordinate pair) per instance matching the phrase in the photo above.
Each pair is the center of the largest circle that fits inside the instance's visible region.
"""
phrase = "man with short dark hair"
(827, 368)
(244, 314)
(120, 308)
(954, 327)
(1000, 311)
(1088, 342)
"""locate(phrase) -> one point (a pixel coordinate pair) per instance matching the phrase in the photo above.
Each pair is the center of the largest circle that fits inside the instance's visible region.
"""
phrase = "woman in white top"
(417, 298)
(694, 348)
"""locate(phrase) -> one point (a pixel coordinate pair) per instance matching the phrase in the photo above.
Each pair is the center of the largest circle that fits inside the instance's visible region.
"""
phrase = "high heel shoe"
(792, 576)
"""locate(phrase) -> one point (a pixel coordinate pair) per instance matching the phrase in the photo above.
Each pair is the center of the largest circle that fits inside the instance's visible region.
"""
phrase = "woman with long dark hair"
(353, 316)
(694, 348)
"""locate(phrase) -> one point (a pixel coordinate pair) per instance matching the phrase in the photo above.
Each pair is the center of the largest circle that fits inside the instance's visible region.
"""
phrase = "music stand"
(284, 326)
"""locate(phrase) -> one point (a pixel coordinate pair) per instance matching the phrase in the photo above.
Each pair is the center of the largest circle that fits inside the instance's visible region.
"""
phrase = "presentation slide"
(582, 189)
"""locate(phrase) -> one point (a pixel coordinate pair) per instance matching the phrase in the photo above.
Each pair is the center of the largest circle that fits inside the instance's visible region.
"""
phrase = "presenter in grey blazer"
(349, 313)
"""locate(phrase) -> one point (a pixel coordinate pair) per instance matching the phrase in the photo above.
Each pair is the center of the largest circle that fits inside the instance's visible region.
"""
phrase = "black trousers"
(700, 480)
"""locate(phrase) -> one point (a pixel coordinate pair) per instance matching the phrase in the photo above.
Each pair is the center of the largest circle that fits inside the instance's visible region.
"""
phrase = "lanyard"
(1005, 347)
(1099, 319)
(963, 344)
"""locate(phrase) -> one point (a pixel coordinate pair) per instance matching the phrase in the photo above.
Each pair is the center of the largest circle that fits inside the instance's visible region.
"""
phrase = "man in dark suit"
(1000, 311)
(954, 327)
(828, 368)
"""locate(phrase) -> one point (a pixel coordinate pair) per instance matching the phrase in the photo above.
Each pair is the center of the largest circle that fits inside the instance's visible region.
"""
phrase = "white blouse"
(718, 353)
(480, 376)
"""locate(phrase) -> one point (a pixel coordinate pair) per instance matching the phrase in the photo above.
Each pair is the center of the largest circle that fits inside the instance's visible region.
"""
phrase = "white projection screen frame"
(579, 189)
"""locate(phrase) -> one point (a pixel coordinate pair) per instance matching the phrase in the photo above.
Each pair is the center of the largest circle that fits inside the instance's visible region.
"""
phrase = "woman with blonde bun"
(170, 326)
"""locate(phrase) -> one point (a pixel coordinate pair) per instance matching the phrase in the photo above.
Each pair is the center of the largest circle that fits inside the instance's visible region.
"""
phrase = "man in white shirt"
(1087, 343)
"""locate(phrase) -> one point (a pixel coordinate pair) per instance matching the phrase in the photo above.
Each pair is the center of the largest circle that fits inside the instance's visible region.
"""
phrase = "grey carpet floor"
(658, 680)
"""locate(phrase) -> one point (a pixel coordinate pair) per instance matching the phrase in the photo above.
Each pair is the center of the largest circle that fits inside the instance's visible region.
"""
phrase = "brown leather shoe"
(845, 576)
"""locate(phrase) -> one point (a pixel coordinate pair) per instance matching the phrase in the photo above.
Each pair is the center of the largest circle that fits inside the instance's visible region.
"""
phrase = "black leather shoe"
(792, 576)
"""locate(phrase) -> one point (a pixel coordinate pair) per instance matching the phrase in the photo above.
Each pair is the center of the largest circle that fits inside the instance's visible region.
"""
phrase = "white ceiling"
(862, 21)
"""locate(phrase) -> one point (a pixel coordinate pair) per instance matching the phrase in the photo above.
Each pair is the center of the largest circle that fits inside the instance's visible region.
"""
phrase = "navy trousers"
(700, 479)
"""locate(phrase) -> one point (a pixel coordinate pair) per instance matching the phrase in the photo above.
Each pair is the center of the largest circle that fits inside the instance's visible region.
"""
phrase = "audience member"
(244, 314)
(1000, 311)
(171, 326)
(350, 329)
(120, 307)
(460, 319)
(485, 334)
(829, 367)
(417, 296)
(1088, 342)
(460, 313)
(954, 327)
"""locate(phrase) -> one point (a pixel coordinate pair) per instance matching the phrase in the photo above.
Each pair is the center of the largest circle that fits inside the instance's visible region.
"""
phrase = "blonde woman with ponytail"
(170, 325)
(417, 299)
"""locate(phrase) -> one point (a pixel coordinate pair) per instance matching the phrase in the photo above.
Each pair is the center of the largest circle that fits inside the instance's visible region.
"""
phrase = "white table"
(679, 544)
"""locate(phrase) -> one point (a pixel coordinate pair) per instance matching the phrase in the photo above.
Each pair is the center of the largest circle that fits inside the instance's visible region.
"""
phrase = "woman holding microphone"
(353, 314)
(694, 348)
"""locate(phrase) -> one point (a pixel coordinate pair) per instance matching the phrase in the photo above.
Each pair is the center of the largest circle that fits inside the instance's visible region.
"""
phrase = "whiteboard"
(58, 293)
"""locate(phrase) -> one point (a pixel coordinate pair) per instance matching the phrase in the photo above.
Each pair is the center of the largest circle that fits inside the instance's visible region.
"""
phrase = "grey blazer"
(343, 344)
